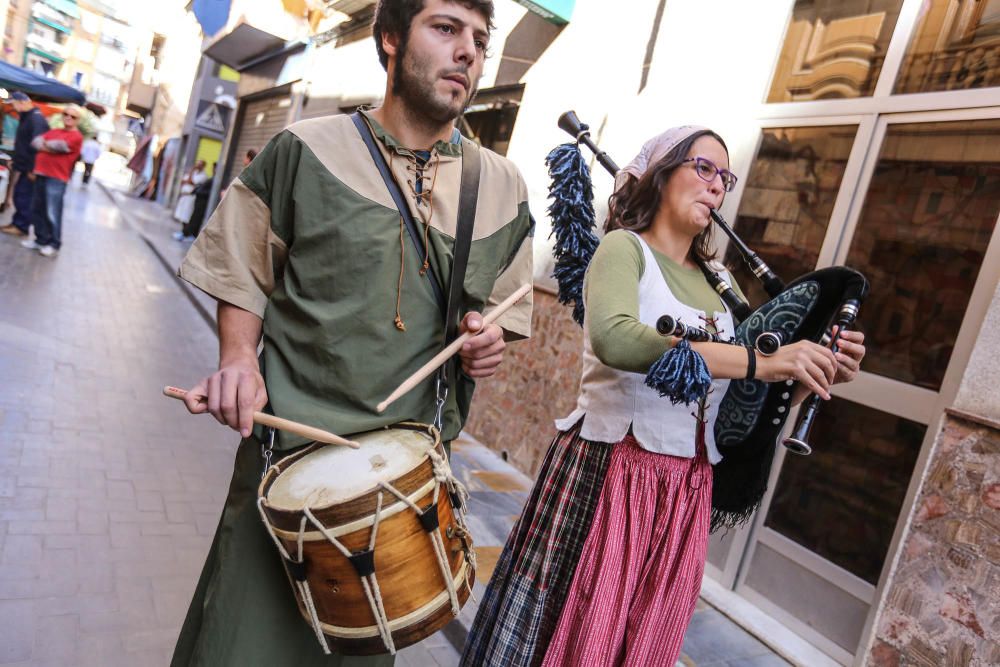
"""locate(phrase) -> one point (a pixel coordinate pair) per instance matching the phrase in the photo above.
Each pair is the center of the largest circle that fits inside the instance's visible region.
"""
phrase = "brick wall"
(538, 381)
(942, 604)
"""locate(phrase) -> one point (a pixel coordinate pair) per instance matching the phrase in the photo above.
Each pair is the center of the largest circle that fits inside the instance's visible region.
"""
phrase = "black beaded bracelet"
(751, 362)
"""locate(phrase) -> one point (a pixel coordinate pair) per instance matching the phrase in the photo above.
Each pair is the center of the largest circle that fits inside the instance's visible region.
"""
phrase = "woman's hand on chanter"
(808, 363)
(850, 352)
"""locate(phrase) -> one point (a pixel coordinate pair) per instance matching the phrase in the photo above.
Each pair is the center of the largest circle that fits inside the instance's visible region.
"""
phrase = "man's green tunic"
(308, 239)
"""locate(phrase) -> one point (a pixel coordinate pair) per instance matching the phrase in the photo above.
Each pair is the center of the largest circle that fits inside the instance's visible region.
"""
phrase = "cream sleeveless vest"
(611, 400)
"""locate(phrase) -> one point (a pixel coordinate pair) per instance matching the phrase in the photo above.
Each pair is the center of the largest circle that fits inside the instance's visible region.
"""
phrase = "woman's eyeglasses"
(707, 170)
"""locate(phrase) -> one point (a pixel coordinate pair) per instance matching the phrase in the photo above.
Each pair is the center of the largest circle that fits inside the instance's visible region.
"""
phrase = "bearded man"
(307, 253)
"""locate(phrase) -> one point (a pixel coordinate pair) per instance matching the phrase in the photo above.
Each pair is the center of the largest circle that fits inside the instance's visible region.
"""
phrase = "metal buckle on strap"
(267, 451)
(441, 395)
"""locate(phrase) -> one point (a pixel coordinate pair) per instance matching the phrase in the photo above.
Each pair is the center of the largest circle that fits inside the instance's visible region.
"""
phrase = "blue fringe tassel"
(572, 215)
(680, 375)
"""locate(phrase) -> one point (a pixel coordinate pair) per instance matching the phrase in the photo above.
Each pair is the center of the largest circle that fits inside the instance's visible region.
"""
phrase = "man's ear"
(390, 44)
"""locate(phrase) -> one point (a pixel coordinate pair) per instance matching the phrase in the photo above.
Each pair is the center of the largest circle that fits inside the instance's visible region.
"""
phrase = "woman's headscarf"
(655, 149)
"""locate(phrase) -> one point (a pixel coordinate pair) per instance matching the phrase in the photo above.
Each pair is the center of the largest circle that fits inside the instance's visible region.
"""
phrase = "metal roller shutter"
(260, 120)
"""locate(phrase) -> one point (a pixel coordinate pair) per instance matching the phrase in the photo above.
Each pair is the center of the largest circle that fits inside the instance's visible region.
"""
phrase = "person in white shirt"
(89, 153)
(185, 203)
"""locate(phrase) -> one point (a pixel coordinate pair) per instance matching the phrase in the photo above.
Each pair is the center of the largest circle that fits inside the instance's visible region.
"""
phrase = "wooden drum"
(374, 539)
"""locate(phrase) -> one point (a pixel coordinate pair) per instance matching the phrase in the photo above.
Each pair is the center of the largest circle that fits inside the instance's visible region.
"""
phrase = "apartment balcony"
(46, 15)
(114, 43)
(141, 95)
(46, 48)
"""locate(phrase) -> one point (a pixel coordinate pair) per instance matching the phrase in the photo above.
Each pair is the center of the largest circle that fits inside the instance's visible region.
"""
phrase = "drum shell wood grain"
(406, 566)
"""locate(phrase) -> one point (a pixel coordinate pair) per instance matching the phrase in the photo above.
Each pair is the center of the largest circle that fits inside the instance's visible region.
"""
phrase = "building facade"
(864, 133)
(210, 111)
(46, 41)
(100, 55)
(17, 16)
(165, 67)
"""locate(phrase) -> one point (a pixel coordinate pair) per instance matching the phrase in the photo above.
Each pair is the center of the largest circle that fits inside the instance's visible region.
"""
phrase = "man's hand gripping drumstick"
(235, 393)
(480, 348)
(264, 419)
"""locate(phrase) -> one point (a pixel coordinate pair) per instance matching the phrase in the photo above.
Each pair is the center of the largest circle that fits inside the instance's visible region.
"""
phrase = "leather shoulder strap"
(467, 198)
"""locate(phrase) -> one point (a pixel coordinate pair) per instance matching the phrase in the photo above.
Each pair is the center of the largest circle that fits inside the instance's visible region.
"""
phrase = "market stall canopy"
(38, 87)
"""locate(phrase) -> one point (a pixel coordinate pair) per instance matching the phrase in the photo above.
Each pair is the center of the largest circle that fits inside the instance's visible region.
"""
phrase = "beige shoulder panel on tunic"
(335, 141)
(237, 255)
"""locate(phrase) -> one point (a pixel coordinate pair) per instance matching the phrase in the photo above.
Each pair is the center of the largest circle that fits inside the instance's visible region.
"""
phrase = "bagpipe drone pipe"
(753, 413)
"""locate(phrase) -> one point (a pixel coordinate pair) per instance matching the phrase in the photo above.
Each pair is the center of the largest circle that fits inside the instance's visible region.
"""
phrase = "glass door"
(912, 201)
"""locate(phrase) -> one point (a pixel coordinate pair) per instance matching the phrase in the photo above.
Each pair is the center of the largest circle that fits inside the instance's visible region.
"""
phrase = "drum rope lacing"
(460, 500)
(368, 581)
(303, 585)
(460, 495)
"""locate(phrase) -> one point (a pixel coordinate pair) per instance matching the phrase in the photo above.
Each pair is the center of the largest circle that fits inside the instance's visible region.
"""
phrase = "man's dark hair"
(251, 154)
(393, 17)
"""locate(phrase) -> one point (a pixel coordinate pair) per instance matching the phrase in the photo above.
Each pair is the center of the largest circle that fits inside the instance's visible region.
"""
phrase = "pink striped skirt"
(639, 576)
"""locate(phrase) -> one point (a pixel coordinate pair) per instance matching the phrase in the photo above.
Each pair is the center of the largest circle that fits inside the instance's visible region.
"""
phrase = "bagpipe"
(753, 413)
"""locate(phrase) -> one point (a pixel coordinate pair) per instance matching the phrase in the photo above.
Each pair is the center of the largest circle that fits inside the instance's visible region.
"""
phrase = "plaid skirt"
(525, 597)
(640, 572)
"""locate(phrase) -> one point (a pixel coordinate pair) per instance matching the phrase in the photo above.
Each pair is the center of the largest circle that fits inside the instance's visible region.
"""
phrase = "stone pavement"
(108, 496)
(110, 493)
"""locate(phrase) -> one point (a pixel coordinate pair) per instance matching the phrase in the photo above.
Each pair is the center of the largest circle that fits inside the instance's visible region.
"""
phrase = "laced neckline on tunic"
(421, 186)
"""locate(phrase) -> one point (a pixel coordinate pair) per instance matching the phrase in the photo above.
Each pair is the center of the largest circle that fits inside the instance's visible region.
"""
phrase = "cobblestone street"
(110, 493)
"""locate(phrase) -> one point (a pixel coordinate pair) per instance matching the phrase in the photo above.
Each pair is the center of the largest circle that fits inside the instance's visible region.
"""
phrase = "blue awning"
(67, 7)
(52, 24)
(37, 86)
(553, 11)
(45, 54)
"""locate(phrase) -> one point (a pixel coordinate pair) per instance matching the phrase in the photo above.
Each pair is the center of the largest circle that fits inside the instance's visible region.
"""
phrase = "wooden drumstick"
(264, 419)
(448, 352)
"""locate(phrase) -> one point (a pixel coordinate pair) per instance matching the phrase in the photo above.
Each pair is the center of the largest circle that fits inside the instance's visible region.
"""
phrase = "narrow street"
(110, 493)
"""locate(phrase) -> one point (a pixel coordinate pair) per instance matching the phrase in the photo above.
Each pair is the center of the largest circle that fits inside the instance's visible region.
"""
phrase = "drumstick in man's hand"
(448, 352)
(264, 419)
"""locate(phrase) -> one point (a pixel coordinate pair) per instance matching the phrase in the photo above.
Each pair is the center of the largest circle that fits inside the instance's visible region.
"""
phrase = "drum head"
(335, 474)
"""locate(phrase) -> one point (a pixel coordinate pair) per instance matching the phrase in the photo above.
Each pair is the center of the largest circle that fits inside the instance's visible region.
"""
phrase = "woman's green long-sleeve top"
(611, 297)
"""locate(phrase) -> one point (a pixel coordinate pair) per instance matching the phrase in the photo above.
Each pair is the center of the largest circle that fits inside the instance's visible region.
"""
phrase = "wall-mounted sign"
(212, 117)
(553, 11)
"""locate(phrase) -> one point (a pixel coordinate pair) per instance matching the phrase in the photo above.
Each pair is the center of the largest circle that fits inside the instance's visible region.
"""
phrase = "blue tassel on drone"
(680, 375)
(572, 215)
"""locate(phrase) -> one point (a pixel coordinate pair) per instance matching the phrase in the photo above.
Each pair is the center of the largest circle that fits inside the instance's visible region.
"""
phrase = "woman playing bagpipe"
(605, 564)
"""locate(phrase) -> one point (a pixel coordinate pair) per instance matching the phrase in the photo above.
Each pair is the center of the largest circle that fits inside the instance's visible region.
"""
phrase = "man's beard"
(413, 83)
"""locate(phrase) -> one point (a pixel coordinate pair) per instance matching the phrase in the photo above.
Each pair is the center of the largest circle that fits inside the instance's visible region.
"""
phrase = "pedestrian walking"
(89, 154)
(58, 151)
(247, 159)
(309, 254)
(22, 184)
(185, 203)
(201, 193)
